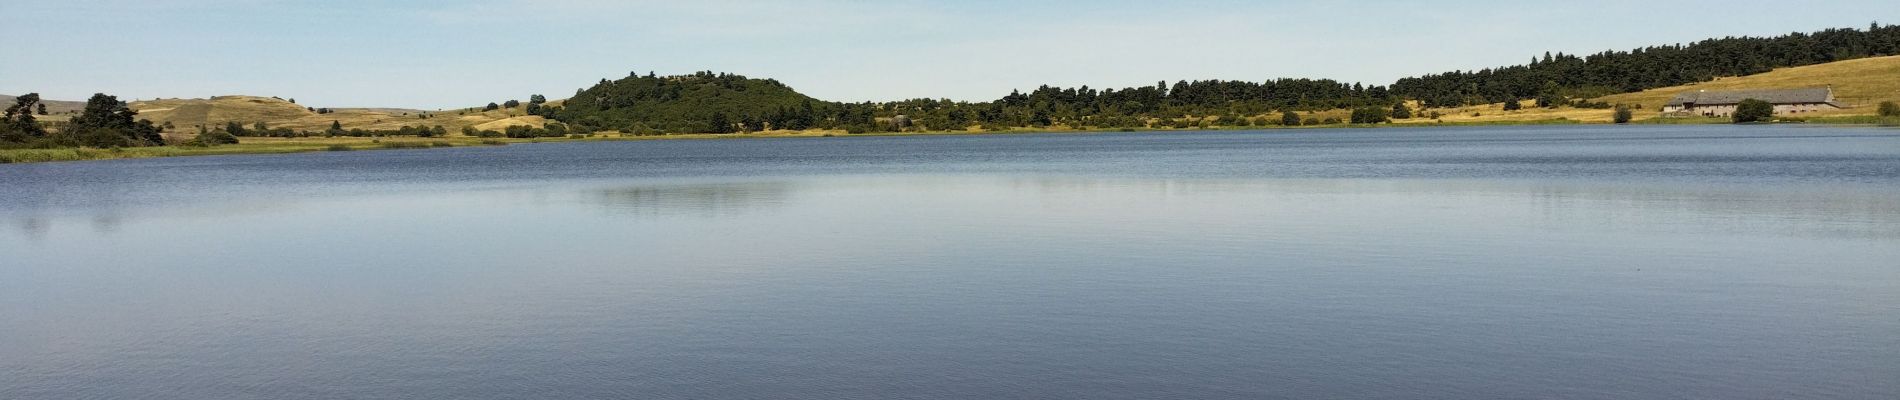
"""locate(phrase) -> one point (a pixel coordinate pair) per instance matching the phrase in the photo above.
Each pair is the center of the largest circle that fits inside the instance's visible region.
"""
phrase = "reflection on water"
(1162, 266)
(709, 200)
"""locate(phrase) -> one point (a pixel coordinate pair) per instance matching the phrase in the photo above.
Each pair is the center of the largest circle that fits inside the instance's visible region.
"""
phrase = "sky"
(446, 54)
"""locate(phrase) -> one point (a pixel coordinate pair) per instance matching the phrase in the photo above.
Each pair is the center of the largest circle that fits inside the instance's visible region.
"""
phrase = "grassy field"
(186, 115)
(1860, 84)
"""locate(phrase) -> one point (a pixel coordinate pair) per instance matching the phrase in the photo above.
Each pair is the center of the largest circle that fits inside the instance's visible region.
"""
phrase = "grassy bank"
(300, 145)
(250, 146)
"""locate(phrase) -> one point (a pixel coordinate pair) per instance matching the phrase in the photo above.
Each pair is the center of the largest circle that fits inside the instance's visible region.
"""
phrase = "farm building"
(1722, 103)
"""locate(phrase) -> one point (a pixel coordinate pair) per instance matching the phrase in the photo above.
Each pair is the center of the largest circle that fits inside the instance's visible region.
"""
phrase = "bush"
(101, 138)
(338, 147)
(1623, 115)
(1513, 105)
(1332, 121)
(214, 138)
(1752, 110)
(1368, 115)
(1600, 105)
(1288, 118)
(1310, 121)
(1889, 109)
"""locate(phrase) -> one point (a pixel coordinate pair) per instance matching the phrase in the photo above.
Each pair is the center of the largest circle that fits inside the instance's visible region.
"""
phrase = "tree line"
(1552, 78)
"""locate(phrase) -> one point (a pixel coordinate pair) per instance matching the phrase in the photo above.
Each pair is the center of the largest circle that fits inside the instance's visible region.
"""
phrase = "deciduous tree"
(1753, 110)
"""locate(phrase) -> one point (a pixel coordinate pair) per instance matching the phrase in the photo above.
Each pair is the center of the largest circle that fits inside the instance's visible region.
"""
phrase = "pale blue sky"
(430, 54)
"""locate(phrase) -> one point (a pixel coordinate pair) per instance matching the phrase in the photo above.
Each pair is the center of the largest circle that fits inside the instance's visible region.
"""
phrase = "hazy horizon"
(441, 54)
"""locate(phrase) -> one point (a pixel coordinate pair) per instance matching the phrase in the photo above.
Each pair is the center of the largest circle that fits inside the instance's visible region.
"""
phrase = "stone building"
(1722, 103)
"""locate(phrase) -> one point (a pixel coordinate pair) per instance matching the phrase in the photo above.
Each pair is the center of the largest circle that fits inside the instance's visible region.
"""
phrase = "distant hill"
(54, 107)
(186, 115)
(681, 103)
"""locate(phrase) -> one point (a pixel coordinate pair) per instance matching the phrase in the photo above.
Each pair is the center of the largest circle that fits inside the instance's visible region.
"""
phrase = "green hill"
(701, 102)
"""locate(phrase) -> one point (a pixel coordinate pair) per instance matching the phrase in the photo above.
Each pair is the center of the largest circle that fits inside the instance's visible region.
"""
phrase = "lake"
(1719, 262)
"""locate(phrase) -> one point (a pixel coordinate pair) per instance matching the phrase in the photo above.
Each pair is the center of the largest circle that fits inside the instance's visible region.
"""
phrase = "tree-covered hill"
(701, 102)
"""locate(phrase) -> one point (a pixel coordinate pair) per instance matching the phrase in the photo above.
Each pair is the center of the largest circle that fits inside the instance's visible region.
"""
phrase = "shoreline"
(265, 145)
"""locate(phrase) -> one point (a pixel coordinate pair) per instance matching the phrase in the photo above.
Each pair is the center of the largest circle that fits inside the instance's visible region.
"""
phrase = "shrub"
(1889, 109)
(1513, 105)
(441, 144)
(1592, 105)
(1368, 115)
(1310, 121)
(1332, 121)
(1752, 110)
(1623, 115)
(214, 138)
(338, 147)
(101, 138)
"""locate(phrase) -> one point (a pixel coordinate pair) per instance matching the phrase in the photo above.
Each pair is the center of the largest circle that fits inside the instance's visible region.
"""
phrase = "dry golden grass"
(186, 115)
(1860, 84)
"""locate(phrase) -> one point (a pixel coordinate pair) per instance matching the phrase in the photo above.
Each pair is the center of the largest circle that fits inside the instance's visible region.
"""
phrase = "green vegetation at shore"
(256, 146)
(314, 144)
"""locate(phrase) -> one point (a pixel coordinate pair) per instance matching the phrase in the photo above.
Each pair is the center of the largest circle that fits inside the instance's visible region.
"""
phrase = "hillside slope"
(682, 103)
(186, 115)
(1861, 84)
(55, 107)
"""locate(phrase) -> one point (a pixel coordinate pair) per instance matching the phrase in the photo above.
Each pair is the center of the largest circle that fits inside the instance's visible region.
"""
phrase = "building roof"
(1776, 96)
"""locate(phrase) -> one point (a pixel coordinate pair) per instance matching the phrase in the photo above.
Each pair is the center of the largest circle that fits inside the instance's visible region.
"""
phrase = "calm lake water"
(1718, 262)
